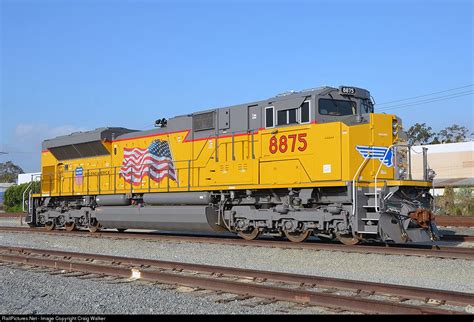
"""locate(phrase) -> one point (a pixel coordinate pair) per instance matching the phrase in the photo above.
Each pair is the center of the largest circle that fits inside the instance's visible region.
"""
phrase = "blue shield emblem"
(381, 153)
(78, 176)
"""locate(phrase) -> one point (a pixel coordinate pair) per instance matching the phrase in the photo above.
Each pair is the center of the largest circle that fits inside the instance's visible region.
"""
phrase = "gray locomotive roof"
(179, 122)
(175, 125)
(277, 98)
(99, 134)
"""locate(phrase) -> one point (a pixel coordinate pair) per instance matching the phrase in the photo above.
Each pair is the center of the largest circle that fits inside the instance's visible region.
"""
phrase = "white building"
(3, 188)
(28, 177)
(452, 162)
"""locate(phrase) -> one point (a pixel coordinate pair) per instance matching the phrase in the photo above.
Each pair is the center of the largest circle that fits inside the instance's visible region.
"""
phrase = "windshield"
(336, 107)
(366, 106)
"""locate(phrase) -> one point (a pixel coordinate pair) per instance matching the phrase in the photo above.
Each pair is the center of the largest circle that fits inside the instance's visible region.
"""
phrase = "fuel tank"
(175, 218)
(178, 198)
(112, 200)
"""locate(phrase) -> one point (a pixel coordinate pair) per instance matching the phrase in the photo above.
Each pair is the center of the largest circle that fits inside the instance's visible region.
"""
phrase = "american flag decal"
(155, 161)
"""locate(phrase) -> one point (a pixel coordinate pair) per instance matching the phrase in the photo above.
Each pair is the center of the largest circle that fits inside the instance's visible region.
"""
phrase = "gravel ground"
(23, 291)
(449, 274)
(12, 222)
(29, 292)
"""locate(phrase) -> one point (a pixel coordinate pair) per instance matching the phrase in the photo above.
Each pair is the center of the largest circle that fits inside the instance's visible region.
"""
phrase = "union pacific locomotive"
(317, 161)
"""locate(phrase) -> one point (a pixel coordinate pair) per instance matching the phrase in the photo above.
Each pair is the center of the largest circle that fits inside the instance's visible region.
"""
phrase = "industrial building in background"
(452, 162)
(3, 188)
(28, 177)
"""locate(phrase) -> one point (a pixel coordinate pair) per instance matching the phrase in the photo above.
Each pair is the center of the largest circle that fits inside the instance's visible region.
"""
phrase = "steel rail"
(458, 221)
(454, 221)
(425, 294)
(12, 215)
(405, 250)
(358, 304)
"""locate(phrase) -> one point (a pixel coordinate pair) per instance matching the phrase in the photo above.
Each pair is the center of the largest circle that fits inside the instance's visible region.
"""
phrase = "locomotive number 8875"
(318, 161)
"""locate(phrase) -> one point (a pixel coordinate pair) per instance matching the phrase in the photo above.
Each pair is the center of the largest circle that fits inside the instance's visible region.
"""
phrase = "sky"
(74, 65)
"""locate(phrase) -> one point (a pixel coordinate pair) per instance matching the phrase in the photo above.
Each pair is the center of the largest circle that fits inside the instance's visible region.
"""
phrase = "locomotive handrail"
(23, 203)
(107, 171)
(30, 188)
(377, 209)
(354, 192)
(30, 207)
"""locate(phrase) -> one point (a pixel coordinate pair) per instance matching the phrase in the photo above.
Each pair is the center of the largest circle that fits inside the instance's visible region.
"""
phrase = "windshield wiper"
(334, 102)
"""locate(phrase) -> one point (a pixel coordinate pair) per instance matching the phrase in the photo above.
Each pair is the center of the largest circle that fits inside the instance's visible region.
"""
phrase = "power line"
(435, 99)
(430, 100)
(424, 95)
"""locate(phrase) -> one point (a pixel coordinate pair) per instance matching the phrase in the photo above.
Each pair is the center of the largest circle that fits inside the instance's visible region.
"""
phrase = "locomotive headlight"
(402, 173)
(431, 174)
(394, 127)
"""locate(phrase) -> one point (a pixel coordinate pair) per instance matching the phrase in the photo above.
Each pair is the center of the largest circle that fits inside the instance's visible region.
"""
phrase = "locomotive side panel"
(369, 140)
(76, 176)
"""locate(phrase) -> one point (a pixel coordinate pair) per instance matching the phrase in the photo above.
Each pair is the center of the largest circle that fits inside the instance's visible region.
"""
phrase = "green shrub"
(14, 196)
(460, 203)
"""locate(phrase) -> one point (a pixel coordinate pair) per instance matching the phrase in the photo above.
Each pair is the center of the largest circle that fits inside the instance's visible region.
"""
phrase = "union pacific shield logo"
(79, 176)
(377, 152)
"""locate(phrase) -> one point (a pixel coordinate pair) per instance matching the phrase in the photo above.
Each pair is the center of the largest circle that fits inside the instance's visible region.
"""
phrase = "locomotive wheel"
(49, 225)
(251, 234)
(94, 226)
(297, 237)
(70, 226)
(348, 240)
(94, 229)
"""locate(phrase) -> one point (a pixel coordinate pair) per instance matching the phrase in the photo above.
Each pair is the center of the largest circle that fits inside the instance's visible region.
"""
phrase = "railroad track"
(453, 221)
(357, 296)
(12, 214)
(458, 221)
(405, 250)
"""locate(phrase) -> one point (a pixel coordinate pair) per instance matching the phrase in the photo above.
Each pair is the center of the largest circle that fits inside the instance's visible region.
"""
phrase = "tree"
(9, 172)
(420, 134)
(453, 133)
(14, 195)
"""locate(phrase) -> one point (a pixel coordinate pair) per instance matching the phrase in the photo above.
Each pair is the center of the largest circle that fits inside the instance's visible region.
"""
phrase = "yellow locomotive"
(318, 161)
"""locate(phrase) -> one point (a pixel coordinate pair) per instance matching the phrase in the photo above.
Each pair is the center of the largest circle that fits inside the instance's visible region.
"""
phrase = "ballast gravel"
(28, 292)
(22, 290)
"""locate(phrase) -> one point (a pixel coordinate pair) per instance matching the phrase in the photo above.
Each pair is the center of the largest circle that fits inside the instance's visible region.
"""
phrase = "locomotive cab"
(350, 105)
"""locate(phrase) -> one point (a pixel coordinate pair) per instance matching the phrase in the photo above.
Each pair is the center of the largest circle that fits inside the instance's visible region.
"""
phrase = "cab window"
(336, 107)
(366, 106)
(286, 117)
(269, 117)
(305, 112)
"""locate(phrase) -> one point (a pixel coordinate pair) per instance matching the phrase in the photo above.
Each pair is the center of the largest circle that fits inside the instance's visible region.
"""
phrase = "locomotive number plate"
(288, 143)
(348, 90)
